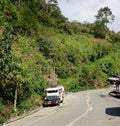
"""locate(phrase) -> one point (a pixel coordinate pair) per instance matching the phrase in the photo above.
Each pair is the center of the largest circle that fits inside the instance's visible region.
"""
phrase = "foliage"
(103, 17)
(36, 38)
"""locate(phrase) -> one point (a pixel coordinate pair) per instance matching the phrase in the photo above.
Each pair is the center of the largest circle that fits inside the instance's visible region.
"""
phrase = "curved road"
(86, 108)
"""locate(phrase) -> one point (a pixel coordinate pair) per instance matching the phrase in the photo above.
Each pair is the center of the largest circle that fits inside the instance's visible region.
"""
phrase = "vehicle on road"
(116, 81)
(51, 100)
(57, 90)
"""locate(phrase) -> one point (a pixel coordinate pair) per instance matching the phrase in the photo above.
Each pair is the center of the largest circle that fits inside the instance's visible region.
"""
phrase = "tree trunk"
(15, 99)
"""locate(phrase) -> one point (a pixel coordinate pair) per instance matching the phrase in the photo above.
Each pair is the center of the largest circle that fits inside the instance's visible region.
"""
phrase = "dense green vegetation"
(36, 39)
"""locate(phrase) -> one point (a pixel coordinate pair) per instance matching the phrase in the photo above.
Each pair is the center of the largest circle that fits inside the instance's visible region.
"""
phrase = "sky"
(85, 10)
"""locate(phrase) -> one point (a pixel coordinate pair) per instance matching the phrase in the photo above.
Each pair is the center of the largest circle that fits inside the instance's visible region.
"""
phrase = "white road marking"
(89, 108)
(42, 117)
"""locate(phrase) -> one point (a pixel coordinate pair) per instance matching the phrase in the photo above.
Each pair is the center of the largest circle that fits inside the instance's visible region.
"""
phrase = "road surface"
(86, 108)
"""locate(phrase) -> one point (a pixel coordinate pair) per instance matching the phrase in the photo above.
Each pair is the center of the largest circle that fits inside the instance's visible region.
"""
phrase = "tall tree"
(103, 17)
(14, 80)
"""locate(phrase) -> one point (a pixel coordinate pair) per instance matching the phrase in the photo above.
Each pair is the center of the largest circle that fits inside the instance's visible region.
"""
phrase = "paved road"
(87, 108)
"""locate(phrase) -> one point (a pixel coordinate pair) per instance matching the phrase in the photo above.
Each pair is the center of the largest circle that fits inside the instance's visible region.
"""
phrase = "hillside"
(36, 42)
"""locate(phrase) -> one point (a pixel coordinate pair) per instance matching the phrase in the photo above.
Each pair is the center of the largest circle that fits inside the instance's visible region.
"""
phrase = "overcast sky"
(85, 10)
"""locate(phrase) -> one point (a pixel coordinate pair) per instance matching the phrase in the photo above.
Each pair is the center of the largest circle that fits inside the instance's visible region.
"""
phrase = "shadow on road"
(115, 111)
(115, 94)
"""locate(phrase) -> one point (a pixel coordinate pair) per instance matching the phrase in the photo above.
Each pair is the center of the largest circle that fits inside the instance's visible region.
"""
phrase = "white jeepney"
(57, 90)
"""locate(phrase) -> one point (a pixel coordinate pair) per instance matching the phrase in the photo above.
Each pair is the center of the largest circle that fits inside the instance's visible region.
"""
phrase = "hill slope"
(36, 43)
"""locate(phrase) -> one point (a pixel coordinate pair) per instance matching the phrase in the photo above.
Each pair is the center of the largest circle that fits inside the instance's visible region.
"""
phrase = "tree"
(103, 17)
(14, 80)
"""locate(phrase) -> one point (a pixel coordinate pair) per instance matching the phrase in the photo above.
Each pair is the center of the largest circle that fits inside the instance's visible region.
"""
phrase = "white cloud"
(85, 10)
